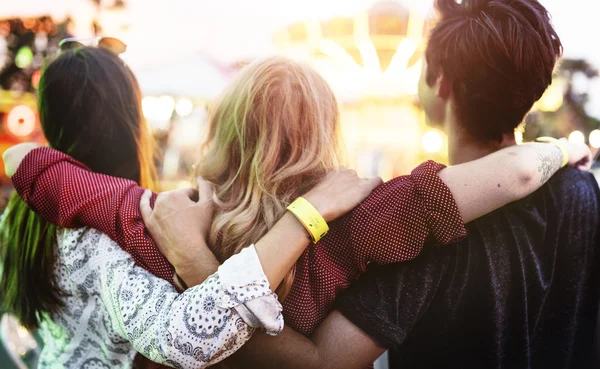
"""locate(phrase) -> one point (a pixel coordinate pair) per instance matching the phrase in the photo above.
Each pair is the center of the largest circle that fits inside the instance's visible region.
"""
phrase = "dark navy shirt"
(521, 291)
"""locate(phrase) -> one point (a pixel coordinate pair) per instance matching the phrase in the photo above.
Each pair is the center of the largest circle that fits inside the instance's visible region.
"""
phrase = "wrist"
(180, 282)
(321, 205)
(295, 226)
(200, 260)
(196, 271)
(185, 273)
(309, 217)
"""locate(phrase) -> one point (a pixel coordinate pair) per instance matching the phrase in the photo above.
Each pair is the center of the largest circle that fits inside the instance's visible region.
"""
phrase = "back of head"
(499, 56)
(273, 134)
(90, 108)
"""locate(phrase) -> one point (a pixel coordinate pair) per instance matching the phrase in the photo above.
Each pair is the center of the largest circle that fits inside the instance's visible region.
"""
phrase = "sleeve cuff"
(443, 217)
(33, 165)
(247, 290)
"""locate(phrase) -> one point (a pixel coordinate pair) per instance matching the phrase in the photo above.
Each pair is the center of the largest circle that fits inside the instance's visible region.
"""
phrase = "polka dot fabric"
(67, 193)
(392, 225)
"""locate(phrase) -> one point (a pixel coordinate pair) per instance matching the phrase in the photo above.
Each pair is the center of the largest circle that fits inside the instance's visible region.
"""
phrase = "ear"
(444, 87)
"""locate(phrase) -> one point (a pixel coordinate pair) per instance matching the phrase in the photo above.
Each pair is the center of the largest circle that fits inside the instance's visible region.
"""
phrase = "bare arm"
(337, 344)
(484, 185)
(179, 225)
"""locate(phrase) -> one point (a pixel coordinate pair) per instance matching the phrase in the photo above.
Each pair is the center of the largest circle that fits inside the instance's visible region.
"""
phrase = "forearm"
(206, 316)
(288, 350)
(336, 344)
(484, 185)
(67, 193)
(197, 269)
(278, 251)
(281, 247)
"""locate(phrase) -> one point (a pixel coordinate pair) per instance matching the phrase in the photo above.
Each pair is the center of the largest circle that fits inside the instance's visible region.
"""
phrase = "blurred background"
(185, 51)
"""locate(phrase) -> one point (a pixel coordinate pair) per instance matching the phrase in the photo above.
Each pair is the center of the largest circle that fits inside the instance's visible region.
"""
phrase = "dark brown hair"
(499, 56)
(90, 108)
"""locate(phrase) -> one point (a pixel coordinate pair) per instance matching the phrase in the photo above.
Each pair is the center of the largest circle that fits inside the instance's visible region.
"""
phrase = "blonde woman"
(274, 134)
(94, 304)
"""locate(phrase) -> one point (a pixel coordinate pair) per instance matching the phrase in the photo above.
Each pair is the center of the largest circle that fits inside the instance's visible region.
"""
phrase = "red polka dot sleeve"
(67, 193)
(391, 225)
(395, 222)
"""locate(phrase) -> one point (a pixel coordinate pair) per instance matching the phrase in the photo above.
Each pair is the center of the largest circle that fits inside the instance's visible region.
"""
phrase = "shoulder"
(90, 247)
(405, 191)
(388, 300)
(574, 185)
(569, 175)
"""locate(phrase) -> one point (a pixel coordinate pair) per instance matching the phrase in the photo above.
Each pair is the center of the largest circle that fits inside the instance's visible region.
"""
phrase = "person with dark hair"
(391, 225)
(522, 290)
(94, 306)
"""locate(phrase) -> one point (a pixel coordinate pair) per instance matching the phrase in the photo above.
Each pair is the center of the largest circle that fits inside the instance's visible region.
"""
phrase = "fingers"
(145, 208)
(205, 190)
(585, 163)
(187, 192)
(373, 183)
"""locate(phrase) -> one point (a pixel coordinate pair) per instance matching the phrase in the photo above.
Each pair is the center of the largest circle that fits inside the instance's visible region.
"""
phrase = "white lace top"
(115, 309)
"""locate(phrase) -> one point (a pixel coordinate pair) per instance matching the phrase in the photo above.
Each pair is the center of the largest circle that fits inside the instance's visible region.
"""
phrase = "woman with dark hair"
(93, 305)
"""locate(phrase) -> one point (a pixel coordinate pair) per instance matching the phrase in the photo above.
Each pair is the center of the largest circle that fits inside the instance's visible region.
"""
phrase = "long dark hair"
(90, 108)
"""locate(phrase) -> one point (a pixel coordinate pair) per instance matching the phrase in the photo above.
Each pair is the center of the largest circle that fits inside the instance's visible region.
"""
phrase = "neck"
(463, 148)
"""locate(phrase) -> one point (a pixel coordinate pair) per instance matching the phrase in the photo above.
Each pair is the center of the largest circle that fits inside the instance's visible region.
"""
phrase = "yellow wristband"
(558, 144)
(310, 218)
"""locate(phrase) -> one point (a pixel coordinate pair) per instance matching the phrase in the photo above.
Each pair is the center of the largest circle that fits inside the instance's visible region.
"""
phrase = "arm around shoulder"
(486, 184)
(194, 329)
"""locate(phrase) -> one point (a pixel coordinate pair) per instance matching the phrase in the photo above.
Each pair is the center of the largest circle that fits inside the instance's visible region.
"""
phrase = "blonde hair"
(272, 135)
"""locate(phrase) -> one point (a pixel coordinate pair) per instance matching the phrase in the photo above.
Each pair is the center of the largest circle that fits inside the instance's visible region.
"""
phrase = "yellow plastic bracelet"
(310, 218)
(558, 144)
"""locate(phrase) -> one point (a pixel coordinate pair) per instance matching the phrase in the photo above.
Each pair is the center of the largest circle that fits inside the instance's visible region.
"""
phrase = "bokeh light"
(21, 121)
(595, 139)
(553, 98)
(24, 57)
(35, 79)
(577, 137)
(148, 106)
(432, 142)
(184, 107)
(165, 106)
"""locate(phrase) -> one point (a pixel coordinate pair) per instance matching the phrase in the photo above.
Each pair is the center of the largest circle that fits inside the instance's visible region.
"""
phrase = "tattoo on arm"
(548, 163)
